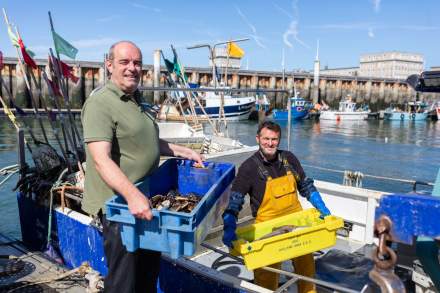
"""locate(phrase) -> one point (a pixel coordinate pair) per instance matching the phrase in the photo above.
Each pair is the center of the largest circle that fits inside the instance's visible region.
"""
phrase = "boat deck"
(21, 270)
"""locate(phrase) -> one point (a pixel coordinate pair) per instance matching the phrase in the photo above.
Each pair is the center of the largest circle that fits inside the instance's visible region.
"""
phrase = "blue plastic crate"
(175, 233)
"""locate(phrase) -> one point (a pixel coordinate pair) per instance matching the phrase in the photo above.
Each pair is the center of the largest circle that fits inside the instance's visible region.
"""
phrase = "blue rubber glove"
(316, 200)
(229, 226)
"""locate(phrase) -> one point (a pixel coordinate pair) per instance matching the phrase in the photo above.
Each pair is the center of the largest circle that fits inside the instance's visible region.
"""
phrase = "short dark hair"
(269, 125)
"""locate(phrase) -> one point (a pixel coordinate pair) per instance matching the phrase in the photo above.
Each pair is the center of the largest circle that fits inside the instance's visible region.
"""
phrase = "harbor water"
(396, 149)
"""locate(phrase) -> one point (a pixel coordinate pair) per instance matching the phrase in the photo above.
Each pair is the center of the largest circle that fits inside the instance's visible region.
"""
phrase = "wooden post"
(156, 76)
(20, 151)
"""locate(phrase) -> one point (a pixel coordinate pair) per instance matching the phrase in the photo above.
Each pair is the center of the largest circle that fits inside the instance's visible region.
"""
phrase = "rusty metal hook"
(387, 281)
(384, 260)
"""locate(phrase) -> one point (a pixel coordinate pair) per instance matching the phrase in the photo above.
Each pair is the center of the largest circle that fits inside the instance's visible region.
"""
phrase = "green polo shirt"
(111, 115)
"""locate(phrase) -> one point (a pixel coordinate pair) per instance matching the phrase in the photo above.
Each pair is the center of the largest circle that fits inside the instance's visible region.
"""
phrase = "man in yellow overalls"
(272, 178)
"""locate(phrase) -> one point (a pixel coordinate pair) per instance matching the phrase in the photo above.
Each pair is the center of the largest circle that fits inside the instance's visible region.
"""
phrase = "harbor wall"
(376, 92)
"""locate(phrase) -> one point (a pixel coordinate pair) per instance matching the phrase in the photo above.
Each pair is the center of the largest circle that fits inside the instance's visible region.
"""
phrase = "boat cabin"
(347, 106)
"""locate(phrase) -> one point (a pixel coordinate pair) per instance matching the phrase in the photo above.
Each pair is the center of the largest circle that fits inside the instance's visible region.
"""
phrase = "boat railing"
(413, 183)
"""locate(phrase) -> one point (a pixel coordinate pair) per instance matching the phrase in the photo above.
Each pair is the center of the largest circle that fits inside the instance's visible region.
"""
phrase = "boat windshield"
(347, 106)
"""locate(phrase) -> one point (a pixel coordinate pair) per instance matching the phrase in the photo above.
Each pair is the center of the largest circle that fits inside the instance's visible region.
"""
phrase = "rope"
(9, 171)
(368, 175)
(55, 185)
(82, 270)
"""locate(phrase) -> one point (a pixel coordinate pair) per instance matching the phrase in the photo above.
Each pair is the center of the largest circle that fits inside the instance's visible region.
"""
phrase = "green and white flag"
(14, 41)
(63, 47)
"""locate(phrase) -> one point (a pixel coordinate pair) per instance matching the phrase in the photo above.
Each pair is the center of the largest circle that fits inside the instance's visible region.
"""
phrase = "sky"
(345, 29)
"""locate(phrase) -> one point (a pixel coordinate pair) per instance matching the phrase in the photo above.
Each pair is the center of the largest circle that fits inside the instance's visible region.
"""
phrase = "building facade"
(343, 71)
(390, 64)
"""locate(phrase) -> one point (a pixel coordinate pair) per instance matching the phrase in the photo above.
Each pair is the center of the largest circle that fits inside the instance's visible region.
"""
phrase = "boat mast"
(214, 75)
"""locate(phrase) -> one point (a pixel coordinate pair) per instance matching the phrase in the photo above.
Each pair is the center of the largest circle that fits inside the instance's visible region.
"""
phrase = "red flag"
(27, 59)
(55, 88)
(66, 70)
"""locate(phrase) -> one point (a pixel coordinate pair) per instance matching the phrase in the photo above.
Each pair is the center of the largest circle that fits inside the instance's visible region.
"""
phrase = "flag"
(169, 65)
(66, 70)
(27, 59)
(234, 50)
(13, 37)
(54, 86)
(177, 69)
(14, 41)
(63, 47)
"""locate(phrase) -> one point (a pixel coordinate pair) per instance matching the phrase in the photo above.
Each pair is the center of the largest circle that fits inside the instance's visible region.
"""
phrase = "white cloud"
(345, 26)
(93, 43)
(369, 25)
(254, 34)
(370, 32)
(293, 30)
(108, 18)
(142, 6)
(282, 10)
(419, 27)
(376, 5)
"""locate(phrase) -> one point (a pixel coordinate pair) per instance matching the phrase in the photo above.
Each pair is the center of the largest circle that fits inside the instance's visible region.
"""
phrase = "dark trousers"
(128, 271)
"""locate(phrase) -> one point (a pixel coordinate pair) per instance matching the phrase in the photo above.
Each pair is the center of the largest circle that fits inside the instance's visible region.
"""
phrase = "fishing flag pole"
(65, 48)
(23, 50)
(69, 136)
(49, 111)
(181, 74)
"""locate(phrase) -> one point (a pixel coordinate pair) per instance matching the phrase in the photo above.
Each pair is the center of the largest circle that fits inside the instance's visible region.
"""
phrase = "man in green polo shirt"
(123, 145)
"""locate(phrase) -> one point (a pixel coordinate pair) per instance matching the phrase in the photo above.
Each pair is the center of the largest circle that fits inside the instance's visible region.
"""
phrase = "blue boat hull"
(239, 112)
(296, 115)
(78, 242)
(402, 116)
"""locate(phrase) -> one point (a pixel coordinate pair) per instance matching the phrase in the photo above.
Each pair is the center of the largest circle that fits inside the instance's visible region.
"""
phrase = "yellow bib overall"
(281, 198)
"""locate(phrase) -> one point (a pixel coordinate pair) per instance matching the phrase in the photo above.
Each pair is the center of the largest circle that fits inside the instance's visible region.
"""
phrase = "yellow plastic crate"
(312, 234)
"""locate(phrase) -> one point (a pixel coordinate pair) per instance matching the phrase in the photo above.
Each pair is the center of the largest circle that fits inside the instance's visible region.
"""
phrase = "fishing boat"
(435, 110)
(300, 109)
(212, 269)
(262, 103)
(414, 110)
(438, 110)
(348, 110)
(235, 107)
(77, 238)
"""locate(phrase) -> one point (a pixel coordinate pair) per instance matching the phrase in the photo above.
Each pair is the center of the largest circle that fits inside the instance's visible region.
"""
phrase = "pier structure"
(376, 92)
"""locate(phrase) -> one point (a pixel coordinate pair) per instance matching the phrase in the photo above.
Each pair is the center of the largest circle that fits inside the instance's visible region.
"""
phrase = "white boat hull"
(340, 116)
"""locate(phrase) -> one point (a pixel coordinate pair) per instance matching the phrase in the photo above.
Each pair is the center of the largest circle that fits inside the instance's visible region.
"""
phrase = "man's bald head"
(111, 51)
(125, 65)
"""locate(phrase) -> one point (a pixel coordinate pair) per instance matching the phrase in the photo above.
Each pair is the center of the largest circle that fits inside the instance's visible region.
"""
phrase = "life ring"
(402, 116)
(413, 116)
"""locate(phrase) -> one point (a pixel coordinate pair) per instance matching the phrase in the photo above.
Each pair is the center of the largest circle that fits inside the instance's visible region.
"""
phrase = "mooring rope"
(8, 172)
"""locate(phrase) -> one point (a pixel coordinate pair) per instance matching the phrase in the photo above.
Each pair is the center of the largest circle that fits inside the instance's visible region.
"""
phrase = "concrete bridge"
(377, 92)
